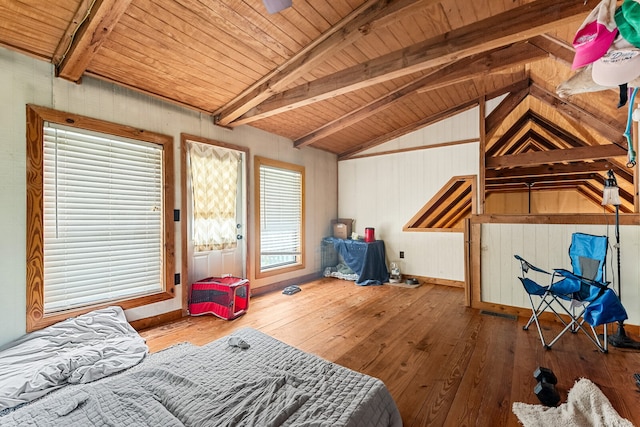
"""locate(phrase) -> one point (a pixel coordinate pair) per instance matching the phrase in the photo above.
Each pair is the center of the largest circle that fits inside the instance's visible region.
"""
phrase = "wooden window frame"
(36, 117)
(257, 162)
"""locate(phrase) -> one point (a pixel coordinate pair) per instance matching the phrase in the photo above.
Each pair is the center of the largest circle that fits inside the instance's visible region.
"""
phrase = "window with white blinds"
(103, 218)
(281, 214)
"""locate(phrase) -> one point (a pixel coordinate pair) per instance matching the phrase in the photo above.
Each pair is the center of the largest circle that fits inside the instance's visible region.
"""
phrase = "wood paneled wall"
(386, 191)
(25, 80)
(546, 245)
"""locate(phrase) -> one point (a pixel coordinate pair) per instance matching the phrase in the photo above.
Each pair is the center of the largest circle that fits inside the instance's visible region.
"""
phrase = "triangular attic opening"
(448, 208)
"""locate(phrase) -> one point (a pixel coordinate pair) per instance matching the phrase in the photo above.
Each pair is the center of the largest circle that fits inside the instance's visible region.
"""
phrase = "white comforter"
(77, 350)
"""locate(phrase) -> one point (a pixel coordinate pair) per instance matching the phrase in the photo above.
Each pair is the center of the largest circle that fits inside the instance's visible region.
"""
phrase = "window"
(98, 216)
(280, 216)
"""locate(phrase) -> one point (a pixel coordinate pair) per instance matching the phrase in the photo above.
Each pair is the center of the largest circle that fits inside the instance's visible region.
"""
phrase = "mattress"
(263, 383)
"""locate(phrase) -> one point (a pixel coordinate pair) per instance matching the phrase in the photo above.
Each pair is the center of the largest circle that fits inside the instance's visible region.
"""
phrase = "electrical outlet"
(401, 254)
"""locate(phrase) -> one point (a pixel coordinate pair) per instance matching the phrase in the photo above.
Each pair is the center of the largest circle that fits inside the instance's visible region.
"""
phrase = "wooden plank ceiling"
(345, 76)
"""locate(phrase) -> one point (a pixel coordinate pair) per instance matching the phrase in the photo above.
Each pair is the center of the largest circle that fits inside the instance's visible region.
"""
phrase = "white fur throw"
(586, 406)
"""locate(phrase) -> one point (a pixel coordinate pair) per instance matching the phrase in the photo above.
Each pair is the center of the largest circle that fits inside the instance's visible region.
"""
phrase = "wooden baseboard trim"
(436, 281)
(160, 319)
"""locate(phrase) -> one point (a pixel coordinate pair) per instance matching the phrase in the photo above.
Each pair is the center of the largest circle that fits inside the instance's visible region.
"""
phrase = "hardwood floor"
(444, 364)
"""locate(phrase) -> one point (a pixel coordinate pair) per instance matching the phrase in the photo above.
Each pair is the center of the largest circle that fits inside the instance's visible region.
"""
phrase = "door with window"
(216, 209)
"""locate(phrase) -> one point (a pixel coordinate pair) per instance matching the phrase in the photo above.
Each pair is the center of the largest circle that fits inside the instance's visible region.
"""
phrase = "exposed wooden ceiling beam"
(545, 179)
(556, 156)
(542, 186)
(532, 139)
(546, 173)
(562, 139)
(559, 133)
(623, 173)
(82, 13)
(464, 69)
(556, 169)
(516, 86)
(87, 31)
(582, 117)
(556, 48)
(591, 189)
(371, 14)
(534, 142)
(497, 116)
(504, 143)
(518, 24)
(554, 138)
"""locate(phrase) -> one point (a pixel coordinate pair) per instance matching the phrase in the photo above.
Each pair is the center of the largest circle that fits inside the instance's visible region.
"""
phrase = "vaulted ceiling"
(345, 76)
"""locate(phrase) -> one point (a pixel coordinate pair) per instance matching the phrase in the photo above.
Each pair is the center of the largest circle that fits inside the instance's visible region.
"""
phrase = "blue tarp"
(367, 260)
(606, 308)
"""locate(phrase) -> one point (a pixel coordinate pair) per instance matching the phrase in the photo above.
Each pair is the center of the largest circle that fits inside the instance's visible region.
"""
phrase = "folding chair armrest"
(526, 266)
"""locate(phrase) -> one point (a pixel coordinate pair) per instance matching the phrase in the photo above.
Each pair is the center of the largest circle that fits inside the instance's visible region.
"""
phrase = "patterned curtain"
(214, 182)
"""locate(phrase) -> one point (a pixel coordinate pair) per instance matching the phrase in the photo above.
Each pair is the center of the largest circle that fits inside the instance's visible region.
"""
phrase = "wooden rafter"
(464, 69)
(584, 118)
(504, 143)
(556, 48)
(447, 208)
(559, 134)
(373, 13)
(518, 24)
(561, 138)
(531, 141)
(556, 169)
(557, 160)
(575, 177)
(604, 151)
(458, 214)
(87, 31)
(497, 116)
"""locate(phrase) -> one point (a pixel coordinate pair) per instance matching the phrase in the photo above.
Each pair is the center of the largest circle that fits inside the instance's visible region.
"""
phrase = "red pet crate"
(226, 297)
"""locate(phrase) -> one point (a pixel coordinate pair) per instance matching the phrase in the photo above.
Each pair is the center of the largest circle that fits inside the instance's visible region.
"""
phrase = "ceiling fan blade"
(275, 6)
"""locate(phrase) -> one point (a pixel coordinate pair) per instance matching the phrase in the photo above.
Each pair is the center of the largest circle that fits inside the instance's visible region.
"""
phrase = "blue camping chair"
(582, 294)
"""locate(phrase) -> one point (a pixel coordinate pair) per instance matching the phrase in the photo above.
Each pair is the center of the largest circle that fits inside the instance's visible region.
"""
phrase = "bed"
(247, 378)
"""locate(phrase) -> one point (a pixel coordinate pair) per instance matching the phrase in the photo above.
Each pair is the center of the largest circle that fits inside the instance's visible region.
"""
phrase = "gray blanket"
(76, 350)
(267, 384)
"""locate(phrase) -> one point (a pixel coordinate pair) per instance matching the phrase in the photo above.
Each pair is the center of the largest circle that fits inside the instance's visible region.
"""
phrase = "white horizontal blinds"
(280, 216)
(103, 231)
